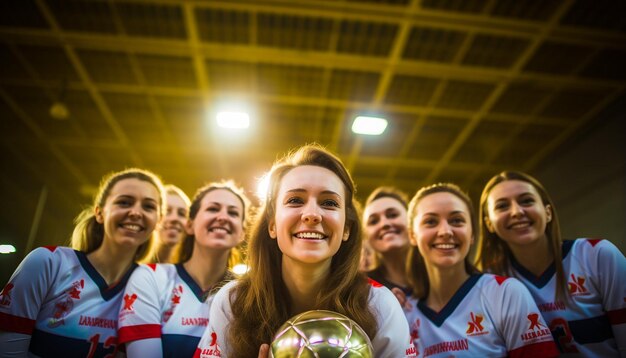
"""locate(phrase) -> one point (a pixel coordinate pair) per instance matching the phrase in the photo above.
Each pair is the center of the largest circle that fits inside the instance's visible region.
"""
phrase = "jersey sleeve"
(610, 265)
(140, 312)
(392, 338)
(213, 341)
(519, 321)
(22, 297)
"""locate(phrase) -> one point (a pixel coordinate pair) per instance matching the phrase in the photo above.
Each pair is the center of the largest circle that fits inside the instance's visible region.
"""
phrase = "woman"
(303, 255)
(578, 285)
(385, 224)
(64, 302)
(171, 302)
(457, 310)
(172, 230)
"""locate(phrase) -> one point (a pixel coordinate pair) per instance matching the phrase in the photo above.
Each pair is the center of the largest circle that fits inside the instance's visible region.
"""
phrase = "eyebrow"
(299, 190)
(221, 204)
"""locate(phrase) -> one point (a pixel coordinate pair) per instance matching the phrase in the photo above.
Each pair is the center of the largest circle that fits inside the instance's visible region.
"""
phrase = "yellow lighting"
(233, 120)
(7, 249)
(369, 125)
(263, 186)
(240, 269)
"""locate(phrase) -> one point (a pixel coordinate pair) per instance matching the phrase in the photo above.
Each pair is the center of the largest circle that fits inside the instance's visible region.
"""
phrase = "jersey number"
(95, 339)
(563, 335)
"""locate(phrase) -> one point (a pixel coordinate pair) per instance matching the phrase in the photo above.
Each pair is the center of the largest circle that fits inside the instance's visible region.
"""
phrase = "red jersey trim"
(541, 349)
(593, 242)
(374, 283)
(617, 316)
(500, 279)
(11, 323)
(51, 248)
(135, 333)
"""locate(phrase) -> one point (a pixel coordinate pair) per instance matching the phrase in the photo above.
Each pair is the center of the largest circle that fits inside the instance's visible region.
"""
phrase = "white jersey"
(488, 316)
(58, 298)
(593, 321)
(391, 341)
(163, 301)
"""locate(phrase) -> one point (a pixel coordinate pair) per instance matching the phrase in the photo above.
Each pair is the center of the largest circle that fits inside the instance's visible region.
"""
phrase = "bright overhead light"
(369, 125)
(233, 120)
(7, 249)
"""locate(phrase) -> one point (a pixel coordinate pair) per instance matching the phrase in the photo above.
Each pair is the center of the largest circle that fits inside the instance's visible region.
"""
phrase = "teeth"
(444, 246)
(310, 235)
(131, 227)
(520, 225)
(214, 229)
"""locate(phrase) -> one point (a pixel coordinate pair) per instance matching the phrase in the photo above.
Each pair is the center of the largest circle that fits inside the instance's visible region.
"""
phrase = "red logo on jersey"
(213, 339)
(5, 295)
(413, 350)
(474, 326)
(177, 292)
(577, 286)
(77, 286)
(536, 329)
(128, 301)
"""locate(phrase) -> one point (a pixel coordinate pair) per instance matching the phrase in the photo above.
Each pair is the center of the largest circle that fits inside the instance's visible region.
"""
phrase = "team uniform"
(488, 316)
(391, 341)
(379, 276)
(163, 301)
(58, 298)
(593, 321)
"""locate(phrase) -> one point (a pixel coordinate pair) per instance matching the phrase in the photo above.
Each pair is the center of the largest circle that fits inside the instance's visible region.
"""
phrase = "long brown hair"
(88, 233)
(494, 255)
(415, 265)
(261, 298)
(185, 249)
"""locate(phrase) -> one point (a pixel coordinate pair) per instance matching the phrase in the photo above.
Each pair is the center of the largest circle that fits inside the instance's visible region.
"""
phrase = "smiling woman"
(64, 302)
(303, 255)
(452, 302)
(171, 302)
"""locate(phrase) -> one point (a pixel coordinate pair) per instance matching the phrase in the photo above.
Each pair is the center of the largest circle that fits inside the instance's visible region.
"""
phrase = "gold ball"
(320, 334)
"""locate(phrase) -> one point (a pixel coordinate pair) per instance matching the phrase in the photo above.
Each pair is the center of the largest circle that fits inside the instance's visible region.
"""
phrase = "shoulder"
(381, 298)
(47, 256)
(496, 285)
(591, 250)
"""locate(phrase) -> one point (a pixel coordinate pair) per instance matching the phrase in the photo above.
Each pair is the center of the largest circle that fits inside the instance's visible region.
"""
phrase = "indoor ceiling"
(469, 88)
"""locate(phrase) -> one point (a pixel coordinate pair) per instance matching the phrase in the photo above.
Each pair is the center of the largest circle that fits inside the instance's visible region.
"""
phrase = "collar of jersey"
(195, 288)
(107, 292)
(543, 279)
(439, 317)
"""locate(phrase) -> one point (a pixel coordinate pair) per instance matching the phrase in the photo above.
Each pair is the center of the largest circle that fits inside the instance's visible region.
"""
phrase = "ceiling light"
(7, 249)
(369, 125)
(240, 269)
(233, 120)
(59, 111)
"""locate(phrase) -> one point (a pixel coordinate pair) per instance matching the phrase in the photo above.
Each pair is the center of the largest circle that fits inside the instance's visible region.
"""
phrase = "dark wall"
(588, 180)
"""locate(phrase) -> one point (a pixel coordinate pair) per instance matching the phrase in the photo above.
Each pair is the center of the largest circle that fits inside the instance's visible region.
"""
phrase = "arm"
(22, 298)
(392, 338)
(214, 342)
(140, 314)
(609, 266)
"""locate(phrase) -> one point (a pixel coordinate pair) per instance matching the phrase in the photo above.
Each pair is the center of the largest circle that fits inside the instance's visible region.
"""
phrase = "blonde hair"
(88, 233)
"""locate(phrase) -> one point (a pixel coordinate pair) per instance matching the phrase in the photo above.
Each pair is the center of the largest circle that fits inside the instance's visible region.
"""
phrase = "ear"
(271, 228)
(548, 213)
(412, 238)
(489, 225)
(98, 215)
(346, 235)
(189, 227)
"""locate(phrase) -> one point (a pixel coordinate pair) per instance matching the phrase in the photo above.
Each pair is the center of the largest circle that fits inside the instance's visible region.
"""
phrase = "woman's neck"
(394, 265)
(165, 252)
(444, 283)
(111, 262)
(304, 283)
(207, 266)
(536, 257)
